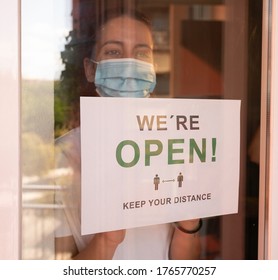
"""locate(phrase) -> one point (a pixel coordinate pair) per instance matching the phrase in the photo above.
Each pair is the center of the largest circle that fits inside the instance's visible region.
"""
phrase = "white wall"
(9, 138)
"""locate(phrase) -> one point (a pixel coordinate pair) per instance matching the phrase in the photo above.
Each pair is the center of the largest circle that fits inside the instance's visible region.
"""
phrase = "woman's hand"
(102, 246)
(114, 237)
(185, 246)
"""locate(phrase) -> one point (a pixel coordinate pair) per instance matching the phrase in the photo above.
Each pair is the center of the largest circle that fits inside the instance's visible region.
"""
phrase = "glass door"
(201, 50)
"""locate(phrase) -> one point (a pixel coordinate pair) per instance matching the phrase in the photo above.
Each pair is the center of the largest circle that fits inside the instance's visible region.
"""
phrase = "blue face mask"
(125, 77)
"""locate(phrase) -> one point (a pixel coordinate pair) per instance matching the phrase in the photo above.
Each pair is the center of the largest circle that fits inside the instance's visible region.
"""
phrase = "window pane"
(45, 25)
(206, 50)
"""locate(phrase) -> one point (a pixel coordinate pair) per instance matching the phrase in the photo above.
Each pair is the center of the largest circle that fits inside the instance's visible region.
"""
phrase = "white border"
(10, 133)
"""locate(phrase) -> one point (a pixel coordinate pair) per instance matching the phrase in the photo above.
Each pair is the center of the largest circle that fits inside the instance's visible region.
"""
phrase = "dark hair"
(109, 14)
(80, 44)
(105, 16)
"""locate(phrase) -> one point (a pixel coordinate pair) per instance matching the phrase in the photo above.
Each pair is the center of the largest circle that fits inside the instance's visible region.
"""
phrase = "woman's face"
(121, 37)
(125, 37)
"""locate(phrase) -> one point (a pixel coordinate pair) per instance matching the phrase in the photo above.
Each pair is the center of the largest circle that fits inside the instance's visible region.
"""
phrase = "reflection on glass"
(43, 35)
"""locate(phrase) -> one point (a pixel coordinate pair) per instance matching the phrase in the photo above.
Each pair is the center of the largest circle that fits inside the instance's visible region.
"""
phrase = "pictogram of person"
(180, 180)
(156, 182)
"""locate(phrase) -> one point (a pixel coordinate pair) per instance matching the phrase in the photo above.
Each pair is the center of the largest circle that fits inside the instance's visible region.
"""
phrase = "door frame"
(268, 208)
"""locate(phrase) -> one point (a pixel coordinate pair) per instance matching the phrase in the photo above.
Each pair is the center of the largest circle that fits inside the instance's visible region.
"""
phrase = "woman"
(123, 45)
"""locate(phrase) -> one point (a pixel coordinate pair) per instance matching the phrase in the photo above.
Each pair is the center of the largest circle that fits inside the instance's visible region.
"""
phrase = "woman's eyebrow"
(112, 42)
(144, 46)
(120, 43)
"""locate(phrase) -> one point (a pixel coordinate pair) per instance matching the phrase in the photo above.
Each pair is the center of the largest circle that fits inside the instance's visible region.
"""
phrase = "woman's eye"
(144, 55)
(112, 53)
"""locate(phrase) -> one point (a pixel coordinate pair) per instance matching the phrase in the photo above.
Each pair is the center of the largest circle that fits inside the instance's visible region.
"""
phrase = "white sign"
(151, 161)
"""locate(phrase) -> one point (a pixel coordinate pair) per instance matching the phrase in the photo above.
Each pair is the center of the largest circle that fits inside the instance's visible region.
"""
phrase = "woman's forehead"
(125, 27)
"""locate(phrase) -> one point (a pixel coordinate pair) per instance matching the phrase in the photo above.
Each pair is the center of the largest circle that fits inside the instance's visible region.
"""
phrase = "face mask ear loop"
(96, 62)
